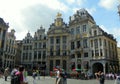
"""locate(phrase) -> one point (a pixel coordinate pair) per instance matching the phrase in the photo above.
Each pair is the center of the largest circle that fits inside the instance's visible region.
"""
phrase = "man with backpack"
(14, 78)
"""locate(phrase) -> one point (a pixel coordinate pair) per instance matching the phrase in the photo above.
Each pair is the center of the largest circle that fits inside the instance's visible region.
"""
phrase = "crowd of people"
(19, 75)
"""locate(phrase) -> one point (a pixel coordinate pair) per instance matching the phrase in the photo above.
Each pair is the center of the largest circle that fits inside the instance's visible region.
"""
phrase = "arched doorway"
(97, 67)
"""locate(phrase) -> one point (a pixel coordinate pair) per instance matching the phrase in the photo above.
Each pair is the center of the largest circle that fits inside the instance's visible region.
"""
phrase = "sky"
(28, 15)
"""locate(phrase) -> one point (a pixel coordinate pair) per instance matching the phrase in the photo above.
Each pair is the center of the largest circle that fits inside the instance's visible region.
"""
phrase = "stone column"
(104, 69)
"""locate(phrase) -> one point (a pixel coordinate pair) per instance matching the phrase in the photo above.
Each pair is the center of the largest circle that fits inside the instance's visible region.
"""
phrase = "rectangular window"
(72, 31)
(78, 30)
(51, 40)
(104, 42)
(96, 53)
(72, 56)
(26, 56)
(51, 50)
(58, 50)
(35, 54)
(85, 43)
(51, 53)
(84, 28)
(95, 33)
(86, 54)
(101, 54)
(39, 55)
(91, 43)
(44, 45)
(35, 45)
(96, 43)
(64, 47)
(40, 37)
(58, 40)
(44, 54)
(79, 55)
(78, 44)
(92, 53)
(30, 56)
(30, 47)
(72, 46)
(40, 44)
(100, 41)
(64, 38)
(64, 53)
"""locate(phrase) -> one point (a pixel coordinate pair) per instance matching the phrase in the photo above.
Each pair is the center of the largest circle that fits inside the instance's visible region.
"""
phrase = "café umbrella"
(76, 69)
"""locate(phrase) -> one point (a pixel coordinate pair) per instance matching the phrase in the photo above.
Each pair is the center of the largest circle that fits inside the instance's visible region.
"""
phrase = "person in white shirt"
(58, 76)
(117, 80)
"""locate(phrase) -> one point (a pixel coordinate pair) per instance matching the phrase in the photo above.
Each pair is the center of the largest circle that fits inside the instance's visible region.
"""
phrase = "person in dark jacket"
(101, 77)
(64, 77)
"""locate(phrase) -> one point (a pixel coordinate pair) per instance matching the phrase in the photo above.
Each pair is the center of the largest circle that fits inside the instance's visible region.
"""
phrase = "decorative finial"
(58, 15)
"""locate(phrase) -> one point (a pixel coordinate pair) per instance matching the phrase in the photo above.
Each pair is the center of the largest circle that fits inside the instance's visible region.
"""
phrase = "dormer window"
(82, 13)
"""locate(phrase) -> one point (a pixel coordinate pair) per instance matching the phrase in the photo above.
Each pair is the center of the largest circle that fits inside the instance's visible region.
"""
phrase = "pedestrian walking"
(34, 74)
(6, 73)
(25, 74)
(58, 78)
(117, 80)
(64, 77)
(13, 77)
(38, 74)
(101, 77)
(20, 75)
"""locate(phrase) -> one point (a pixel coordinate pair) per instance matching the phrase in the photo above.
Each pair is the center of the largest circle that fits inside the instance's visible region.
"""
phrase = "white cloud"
(70, 1)
(54, 4)
(115, 32)
(76, 2)
(108, 4)
(13, 11)
(80, 2)
(91, 10)
(104, 28)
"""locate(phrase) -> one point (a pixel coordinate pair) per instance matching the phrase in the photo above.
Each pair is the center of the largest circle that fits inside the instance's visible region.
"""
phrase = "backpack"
(15, 79)
(102, 78)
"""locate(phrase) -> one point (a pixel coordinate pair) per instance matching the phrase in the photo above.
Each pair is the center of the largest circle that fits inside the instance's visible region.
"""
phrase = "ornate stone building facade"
(92, 49)
(7, 45)
(10, 49)
(39, 48)
(81, 44)
(3, 30)
(58, 49)
(27, 51)
(34, 50)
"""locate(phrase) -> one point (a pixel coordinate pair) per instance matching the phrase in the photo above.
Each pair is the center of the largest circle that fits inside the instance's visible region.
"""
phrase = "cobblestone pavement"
(51, 80)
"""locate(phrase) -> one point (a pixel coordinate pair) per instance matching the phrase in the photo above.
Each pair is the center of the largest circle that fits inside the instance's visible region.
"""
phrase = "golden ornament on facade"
(58, 15)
